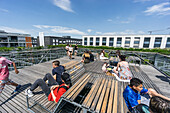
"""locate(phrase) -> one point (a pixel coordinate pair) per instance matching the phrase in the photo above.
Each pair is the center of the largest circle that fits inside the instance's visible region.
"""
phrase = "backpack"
(140, 108)
(66, 88)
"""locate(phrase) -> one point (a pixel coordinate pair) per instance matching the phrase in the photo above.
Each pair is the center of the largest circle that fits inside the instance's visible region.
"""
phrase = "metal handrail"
(154, 67)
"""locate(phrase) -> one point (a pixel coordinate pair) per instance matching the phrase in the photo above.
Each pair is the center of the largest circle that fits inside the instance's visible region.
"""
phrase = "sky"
(76, 18)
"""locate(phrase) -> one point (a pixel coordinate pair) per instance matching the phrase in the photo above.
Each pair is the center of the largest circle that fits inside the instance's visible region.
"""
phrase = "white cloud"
(59, 29)
(4, 10)
(89, 30)
(160, 9)
(109, 20)
(63, 4)
(13, 30)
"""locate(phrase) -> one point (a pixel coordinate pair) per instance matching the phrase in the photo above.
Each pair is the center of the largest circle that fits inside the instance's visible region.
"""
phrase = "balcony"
(13, 41)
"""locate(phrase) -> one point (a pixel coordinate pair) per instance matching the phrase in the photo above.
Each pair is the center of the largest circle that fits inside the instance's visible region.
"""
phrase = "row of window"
(146, 43)
(66, 41)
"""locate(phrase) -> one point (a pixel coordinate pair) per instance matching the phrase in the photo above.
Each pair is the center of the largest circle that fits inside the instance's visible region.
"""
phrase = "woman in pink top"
(4, 74)
(124, 73)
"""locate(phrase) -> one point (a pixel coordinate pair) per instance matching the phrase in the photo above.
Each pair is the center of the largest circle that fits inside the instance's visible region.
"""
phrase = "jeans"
(43, 85)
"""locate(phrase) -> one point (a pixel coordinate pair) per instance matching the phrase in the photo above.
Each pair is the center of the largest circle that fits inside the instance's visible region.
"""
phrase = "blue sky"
(85, 17)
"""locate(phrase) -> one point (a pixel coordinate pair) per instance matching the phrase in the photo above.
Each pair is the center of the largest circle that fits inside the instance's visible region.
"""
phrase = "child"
(4, 74)
(132, 93)
(53, 91)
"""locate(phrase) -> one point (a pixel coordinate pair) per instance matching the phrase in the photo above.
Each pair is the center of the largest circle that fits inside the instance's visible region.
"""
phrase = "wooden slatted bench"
(76, 71)
(147, 82)
(105, 95)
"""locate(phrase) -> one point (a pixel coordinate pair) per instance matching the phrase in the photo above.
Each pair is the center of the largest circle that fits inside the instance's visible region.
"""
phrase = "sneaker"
(29, 93)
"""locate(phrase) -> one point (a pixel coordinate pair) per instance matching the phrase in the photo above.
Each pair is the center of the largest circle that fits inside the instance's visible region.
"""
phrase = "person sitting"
(124, 73)
(91, 56)
(53, 90)
(118, 54)
(102, 55)
(104, 67)
(159, 105)
(132, 94)
(57, 71)
(86, 57)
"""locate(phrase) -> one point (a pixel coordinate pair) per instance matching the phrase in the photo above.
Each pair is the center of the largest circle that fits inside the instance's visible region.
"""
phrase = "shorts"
(3, 82)
(75, 51)
(66, 50)
(70, 51)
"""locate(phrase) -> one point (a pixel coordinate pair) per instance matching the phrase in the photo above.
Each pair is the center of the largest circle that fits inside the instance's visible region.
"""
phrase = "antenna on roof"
(150, 32)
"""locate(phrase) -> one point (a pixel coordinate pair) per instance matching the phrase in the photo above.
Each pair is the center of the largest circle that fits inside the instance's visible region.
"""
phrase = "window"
(119, 41)
(158, 41)
(111, 41)
(85, 41)
(91, 41)
(127, 42)
(56, 40)
(97, 41)
(104, 41)
(53, 43)
(137, 38)
(136, 42)
(168, 43)
(53, 40)
(127, 37)
(146, 42)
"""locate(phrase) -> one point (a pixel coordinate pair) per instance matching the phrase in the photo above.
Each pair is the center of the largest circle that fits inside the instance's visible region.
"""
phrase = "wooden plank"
(75, 85)
(15, 100)
(79, 89)
(97, 95)
(103, 110)
(115, 98)
(75, 89)
(110, 104)
(99, 103)
(93, 92)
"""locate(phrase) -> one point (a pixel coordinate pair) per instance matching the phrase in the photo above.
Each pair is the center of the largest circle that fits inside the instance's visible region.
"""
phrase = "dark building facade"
(53, 40)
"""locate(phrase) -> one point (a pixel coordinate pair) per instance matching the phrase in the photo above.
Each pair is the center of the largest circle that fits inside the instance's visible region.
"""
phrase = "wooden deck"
(17, 103)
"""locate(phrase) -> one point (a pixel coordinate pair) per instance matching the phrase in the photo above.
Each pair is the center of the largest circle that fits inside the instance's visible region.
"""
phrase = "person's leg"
(10, 82)
(115, 72)
(70, 55)
(152, 93)
(42, 84)
(2, 85)
(51, 80)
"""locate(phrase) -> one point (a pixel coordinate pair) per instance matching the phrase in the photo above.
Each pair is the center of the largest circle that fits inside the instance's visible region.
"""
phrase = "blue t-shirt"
(58, 71)
(131, 97)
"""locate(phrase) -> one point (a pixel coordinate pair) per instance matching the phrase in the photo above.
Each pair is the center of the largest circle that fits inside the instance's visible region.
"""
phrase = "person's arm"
(117, 67)
(132, 100)
(16, 71)
(54, 86)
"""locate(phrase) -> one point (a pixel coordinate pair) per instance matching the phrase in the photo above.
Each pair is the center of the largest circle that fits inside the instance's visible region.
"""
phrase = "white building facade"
(128, 41)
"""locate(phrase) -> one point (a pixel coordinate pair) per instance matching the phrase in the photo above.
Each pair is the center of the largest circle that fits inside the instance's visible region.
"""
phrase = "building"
(34, 42)
(128, 41)
(14, 39)
(54, 40)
